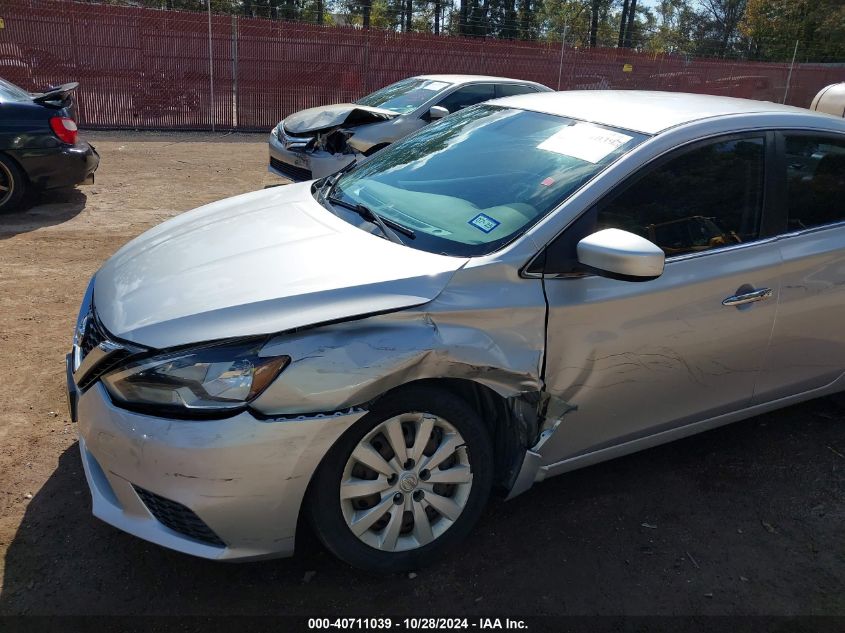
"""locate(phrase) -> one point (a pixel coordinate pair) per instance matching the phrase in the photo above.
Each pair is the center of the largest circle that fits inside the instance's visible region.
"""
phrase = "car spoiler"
(60, 96)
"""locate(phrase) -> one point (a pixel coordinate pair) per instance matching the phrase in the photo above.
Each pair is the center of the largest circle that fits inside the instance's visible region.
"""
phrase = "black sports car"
(40, 147)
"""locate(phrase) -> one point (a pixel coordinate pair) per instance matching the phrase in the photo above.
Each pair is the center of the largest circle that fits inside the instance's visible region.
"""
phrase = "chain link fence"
(155, 69)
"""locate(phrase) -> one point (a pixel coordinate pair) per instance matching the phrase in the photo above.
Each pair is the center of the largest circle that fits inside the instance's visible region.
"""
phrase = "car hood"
(330, 116)
(260, 263)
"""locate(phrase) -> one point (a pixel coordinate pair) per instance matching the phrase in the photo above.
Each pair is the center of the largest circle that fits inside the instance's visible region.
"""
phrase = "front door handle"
(748, 297)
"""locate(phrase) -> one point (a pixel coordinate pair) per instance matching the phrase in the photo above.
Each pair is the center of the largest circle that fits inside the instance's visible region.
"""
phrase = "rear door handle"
(748, 297)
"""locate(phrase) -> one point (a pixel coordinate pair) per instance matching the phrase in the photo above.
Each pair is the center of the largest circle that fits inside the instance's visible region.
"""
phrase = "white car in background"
(317, 142)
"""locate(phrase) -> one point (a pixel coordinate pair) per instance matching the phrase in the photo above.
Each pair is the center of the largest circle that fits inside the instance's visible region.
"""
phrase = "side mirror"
(437, 112)
(621, 255)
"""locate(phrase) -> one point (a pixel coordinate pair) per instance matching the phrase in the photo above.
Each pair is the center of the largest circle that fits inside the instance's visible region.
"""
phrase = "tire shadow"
(40, 209)
(64, 561)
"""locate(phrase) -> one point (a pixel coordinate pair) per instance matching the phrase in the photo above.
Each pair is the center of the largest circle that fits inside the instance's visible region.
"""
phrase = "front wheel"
(405, 484)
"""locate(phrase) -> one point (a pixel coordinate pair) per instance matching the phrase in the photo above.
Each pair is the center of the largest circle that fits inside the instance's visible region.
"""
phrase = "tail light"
(64, 128)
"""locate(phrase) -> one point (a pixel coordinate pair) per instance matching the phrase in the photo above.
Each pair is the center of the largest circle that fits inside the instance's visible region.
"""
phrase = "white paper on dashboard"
(584, 141)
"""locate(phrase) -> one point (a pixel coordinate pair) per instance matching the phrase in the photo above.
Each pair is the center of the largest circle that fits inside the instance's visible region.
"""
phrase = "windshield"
(473, 181)
(404, 96)
(10, 92)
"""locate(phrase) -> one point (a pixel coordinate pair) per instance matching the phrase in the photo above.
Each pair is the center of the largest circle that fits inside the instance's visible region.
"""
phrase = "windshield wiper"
(387, 226)
(331, 181)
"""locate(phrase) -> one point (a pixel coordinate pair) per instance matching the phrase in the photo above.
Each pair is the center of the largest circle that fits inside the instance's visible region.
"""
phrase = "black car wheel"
(12, 184)
(405, 484)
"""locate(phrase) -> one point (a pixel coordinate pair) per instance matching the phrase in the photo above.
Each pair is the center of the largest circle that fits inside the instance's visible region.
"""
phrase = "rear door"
(808, 342)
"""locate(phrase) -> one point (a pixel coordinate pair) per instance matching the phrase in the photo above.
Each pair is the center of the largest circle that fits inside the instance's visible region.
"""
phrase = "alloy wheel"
(7, 184)
(406, 482)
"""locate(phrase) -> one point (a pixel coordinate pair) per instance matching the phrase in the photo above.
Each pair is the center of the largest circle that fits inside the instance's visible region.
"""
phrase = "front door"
(637, 358)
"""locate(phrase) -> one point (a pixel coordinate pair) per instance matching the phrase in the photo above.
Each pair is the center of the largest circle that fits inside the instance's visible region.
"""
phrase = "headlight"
(277, 130)
(199, 380)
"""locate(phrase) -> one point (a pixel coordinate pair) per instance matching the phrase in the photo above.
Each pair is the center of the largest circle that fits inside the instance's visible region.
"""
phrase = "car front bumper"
(63, 166)
(301, 166)
(227, 489)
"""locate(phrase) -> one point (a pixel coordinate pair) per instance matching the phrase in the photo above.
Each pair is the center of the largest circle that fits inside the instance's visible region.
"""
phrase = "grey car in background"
(528, 286)
(317, 142)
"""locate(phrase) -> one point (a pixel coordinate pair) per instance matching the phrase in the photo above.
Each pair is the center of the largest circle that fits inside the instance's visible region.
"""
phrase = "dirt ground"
(748, 519)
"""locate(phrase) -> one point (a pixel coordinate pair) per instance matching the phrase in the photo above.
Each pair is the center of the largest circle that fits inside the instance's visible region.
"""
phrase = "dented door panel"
(808, 343)
(639, 358)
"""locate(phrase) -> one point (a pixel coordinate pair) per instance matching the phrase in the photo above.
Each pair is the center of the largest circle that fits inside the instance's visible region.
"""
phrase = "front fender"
(338, 366)
(366, 137)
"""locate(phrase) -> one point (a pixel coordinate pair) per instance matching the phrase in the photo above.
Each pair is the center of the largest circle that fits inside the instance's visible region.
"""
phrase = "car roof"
(648, 112)
(467, 79)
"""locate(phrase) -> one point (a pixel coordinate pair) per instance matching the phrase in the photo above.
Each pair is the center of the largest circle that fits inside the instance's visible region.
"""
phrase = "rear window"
(510, 90)
(815, 180)
(10, 92)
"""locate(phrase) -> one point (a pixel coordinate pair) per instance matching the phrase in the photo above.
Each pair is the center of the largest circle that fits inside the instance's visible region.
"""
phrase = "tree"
(723, 17)
(629, 28)
(509, 28)
(572, 15)
(756, 29)
(464, 11)
(623, 23)
(673, 28)
(773, 27)
(526, 21)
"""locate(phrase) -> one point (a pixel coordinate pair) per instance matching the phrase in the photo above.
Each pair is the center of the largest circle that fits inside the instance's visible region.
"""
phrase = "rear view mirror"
(621, 255)
(437, 112)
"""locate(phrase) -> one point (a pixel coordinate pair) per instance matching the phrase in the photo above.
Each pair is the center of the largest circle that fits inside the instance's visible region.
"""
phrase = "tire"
(12, 184)
(399, 540)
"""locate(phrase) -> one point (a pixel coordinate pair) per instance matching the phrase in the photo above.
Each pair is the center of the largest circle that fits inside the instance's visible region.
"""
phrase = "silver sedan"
(526, 287)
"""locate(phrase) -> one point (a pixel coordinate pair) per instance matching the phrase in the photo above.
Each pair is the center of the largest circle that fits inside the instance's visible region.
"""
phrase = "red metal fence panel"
(284, 67)
(147, 68)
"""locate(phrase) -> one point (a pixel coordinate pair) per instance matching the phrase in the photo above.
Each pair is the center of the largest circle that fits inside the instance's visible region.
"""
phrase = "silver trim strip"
(104, 350)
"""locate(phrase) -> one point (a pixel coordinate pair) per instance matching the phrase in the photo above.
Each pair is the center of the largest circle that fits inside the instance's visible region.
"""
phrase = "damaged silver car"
(317, 142)
(526, 287)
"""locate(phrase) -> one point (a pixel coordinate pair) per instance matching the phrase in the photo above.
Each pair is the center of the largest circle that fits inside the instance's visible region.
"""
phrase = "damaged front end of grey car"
(317, 142)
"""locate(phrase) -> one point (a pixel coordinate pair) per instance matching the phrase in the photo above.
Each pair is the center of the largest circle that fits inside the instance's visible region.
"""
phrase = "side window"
(815, 168)
(509, 90)
(467, 96)
(705, 198)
